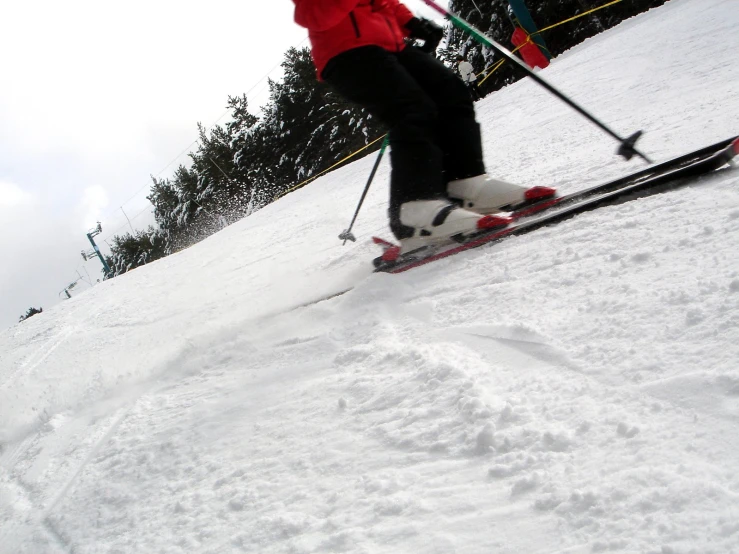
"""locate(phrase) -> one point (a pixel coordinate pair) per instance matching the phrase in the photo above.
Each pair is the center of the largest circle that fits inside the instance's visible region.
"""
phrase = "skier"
(467, 73)
(438, 184)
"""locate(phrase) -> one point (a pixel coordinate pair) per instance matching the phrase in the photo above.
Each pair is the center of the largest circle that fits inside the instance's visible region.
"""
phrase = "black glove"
(427, 31)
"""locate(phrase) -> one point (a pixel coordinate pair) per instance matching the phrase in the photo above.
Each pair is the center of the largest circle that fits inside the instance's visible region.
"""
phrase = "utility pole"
(87, 255)
(129, 222)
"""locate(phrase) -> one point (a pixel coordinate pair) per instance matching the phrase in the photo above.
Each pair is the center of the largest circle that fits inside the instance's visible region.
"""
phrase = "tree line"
(30, 313)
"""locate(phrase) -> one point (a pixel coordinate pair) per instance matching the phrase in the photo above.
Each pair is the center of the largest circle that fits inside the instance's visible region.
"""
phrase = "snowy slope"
(572, 390)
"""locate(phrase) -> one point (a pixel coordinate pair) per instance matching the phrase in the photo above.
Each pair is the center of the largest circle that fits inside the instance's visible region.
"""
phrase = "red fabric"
(335, 26)
(529, 52)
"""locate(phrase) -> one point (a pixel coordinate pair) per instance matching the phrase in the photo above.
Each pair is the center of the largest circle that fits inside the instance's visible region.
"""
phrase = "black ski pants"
(434, 137)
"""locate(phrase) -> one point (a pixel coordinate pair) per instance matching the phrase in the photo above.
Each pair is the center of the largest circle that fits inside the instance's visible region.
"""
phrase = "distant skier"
(467, 73)
(359, 48)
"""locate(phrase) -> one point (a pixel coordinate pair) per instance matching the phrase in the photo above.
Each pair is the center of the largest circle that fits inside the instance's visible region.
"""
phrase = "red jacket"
(335, 26)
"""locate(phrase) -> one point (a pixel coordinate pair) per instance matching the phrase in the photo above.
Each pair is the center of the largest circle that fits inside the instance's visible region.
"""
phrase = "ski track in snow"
(573, 390)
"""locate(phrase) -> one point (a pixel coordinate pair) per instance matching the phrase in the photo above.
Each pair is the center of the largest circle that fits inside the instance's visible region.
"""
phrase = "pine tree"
(165, 199)
(30, 313)
(249, 156)
(131, 251)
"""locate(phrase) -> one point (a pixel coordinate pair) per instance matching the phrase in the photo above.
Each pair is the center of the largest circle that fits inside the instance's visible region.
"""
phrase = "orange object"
(529, 51)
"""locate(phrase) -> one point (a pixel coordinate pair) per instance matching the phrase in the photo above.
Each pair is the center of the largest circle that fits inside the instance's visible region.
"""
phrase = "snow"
(572, 390)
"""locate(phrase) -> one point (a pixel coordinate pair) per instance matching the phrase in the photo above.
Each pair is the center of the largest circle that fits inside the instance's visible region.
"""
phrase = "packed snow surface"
(572, 390)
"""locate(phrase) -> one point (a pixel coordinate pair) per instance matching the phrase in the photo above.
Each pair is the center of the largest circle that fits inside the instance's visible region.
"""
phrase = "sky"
(97, 97)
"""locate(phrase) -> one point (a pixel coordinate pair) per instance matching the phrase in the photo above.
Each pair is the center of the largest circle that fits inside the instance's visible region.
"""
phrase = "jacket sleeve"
(320, 15)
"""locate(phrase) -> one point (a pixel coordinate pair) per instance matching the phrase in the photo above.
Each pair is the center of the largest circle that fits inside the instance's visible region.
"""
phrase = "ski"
(692, 164)
(652, 180)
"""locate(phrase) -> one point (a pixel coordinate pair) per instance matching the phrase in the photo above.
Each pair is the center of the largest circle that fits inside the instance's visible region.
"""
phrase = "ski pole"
(627, 148)
(347, 234)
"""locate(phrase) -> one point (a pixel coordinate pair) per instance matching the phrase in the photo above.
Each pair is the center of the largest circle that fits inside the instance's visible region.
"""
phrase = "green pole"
(106, 267)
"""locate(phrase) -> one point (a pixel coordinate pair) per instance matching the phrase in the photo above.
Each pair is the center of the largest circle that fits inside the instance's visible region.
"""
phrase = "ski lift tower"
(88, 255)
(68, 288)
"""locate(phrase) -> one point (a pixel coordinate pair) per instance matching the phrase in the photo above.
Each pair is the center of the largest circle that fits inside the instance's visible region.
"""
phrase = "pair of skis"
(652, 180)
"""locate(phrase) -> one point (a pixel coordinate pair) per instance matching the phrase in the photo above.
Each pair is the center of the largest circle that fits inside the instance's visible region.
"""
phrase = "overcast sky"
(97, 96)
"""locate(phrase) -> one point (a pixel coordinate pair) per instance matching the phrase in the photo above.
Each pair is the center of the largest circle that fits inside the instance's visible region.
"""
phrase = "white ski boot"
(436, 221)
(483, 194)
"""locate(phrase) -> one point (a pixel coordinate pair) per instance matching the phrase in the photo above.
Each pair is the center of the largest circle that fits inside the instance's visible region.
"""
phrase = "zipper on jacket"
(392, 32)
(354, 23)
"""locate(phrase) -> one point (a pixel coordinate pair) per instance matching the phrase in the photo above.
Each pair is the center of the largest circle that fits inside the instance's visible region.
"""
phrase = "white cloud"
(93, 203)
(99, 77)
(11, 195)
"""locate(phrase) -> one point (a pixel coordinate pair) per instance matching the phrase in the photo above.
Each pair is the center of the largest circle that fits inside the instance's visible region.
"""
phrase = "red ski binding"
(492, 221)
(539, 193)
(390, 251)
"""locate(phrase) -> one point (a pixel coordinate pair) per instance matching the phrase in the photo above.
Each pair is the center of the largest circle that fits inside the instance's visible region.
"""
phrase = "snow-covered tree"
(131, 251)
(30, 313)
